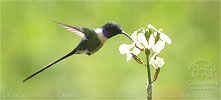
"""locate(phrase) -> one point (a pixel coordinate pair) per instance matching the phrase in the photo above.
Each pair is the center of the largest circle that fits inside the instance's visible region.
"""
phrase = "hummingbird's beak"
(127, 35)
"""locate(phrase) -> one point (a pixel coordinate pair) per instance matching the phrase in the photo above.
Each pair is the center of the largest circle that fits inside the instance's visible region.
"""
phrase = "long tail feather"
(49, 65)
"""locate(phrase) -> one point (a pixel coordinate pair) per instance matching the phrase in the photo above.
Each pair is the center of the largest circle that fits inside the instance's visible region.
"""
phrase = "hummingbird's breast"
(90, 44)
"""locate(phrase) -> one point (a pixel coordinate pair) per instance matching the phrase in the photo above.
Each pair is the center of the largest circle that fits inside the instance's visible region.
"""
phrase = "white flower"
(125, 48)
(158, 46)
(142, 42)
(163, 36)
(151, 41)
(135, 51)
(157, 62)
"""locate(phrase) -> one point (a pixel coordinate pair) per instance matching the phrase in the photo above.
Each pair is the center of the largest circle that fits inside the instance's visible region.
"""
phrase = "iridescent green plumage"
(90, 43)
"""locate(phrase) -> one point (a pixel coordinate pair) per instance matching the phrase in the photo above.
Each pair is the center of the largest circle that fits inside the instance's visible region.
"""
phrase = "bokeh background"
(30, 40)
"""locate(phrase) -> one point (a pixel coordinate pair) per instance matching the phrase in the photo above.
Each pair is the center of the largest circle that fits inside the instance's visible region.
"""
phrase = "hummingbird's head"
(112, 28)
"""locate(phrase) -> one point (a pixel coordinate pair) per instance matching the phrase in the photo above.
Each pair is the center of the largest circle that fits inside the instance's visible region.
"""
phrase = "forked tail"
(69, 54)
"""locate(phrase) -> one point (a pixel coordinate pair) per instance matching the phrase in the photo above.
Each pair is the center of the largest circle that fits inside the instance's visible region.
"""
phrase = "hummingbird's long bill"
(127, 35)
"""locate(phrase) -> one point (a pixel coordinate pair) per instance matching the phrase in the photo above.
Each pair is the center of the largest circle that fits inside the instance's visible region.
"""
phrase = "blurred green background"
(30, 40)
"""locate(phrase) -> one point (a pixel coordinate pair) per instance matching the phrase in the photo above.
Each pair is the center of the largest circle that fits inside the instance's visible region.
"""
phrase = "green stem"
(149, 86)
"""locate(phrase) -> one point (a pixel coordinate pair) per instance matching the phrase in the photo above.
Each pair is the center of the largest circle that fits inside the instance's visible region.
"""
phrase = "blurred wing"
(76, 30)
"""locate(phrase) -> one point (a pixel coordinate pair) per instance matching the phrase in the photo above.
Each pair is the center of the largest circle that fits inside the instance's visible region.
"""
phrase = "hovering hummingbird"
(92, 40)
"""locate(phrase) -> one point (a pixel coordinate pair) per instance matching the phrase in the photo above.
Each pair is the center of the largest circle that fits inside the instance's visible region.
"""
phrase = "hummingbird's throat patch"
(100, 35)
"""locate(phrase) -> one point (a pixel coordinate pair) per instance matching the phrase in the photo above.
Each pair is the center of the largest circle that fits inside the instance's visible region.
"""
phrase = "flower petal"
(157, 63)
(134, 36)
(124, 48)
(158, 46)
(152, 27)
(151, 41)
(155, 33)
(152, 61)
(129, 56)
(142, 39)
(135, 51)
(160, 62)
(140, 46)
(164, 37)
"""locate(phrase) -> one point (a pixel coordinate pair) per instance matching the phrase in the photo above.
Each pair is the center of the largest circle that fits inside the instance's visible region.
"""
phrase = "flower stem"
(149, 86)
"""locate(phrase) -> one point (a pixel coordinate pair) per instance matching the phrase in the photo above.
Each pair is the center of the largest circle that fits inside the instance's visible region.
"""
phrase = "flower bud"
(157, 37)
(147, 52)
(147, 33)
(137, 59)
(156, 74)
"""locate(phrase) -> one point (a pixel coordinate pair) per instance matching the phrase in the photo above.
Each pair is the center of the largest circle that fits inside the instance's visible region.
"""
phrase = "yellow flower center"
(161, 30)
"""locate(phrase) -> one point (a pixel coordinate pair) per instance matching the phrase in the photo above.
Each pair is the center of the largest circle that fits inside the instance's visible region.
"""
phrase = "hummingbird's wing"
(76, 30)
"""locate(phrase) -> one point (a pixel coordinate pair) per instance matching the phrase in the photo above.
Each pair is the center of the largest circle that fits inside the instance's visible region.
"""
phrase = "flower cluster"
(150, 39)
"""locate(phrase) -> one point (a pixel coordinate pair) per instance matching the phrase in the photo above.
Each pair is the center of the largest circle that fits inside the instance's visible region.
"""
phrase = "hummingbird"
(92, 40)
